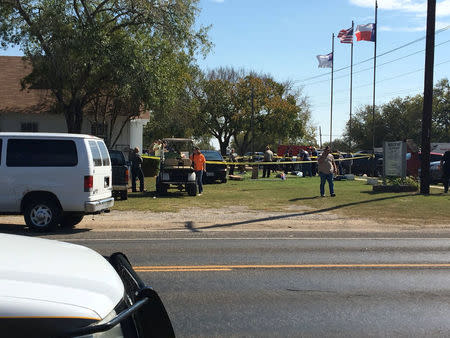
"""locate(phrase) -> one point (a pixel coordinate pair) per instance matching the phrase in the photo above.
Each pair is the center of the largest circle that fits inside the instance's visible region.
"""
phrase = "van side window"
(104, 153)
(95, 153)
(1, 143)
(41, 153)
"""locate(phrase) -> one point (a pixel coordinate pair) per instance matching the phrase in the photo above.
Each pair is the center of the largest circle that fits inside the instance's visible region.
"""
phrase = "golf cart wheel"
(161, 189)
(191, 189)
(42, 215)
(70, 220)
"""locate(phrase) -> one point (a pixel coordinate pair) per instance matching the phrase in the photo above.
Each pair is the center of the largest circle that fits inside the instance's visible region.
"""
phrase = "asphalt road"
(284, 284)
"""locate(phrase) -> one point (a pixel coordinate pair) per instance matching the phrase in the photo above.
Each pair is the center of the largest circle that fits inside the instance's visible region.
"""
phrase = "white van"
(54, 178)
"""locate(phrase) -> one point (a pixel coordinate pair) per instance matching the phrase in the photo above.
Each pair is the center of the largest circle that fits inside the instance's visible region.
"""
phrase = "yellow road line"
(285, 266)
(182, 270)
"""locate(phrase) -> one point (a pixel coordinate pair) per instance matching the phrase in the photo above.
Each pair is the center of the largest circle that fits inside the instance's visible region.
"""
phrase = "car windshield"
(212, 155)
(117, 158)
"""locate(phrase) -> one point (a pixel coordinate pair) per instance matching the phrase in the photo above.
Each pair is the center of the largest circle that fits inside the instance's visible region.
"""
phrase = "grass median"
(354, 199)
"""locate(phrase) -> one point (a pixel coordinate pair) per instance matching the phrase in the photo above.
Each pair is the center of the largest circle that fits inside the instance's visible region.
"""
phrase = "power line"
(382, 54)
(389, 79)
(381, 64)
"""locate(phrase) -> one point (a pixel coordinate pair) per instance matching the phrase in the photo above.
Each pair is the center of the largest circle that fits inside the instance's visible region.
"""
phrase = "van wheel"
(70, 220)
(124, 195)
(191, 189)
(224, 180)
(42, 215)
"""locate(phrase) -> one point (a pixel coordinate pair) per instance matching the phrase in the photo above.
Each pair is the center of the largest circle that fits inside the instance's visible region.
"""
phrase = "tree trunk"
(74, 118)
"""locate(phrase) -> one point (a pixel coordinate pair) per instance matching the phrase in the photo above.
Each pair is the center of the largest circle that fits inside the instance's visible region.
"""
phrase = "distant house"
(29, 110)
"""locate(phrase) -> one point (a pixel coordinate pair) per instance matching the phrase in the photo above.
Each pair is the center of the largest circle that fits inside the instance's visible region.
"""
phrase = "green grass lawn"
(353, 198)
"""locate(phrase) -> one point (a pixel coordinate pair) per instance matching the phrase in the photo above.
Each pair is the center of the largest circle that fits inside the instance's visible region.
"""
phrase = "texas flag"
(325, 61)
(365, 32)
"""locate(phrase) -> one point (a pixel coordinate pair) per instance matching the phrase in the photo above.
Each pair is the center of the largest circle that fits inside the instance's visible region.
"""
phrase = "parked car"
(214, 171)
(120, 174)
(414, 160)
(367, 165)
(257, 156)
(436, 172)
(54, 179)
(56, 289)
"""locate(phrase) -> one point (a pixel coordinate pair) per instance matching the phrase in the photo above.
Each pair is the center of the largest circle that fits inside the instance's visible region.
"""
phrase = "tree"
(441, 112)
(400, 119)
(269, 113)
(217, 112)
(79, 50)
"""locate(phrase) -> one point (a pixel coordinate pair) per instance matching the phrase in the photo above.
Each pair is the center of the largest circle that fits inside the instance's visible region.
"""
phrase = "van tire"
(70, 220)
(124, 195)
(42, 215)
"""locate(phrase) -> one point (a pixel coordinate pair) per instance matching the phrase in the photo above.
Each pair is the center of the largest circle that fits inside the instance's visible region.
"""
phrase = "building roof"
(12, 98)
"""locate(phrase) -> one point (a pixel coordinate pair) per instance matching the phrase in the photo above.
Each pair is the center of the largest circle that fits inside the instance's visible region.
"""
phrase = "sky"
(283, 37)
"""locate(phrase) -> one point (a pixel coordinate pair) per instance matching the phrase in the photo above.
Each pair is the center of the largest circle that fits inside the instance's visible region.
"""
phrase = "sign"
(394, 159)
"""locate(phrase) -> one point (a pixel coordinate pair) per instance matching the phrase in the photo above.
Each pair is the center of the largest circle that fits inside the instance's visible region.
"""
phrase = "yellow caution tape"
(271, 163)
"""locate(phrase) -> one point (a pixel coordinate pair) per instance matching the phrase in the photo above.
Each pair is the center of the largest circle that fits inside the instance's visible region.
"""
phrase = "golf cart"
(176, 167)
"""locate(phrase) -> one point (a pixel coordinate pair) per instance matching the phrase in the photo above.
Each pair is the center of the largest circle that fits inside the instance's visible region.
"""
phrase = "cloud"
(418, 7)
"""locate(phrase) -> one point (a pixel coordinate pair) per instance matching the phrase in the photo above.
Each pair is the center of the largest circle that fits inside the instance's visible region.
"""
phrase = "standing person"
(199, 164)
(306, 167)
(314, 155)
(327, 167)
(136, 170)
(268, 157)
(157, 148)
(445, 165)
(232, 159)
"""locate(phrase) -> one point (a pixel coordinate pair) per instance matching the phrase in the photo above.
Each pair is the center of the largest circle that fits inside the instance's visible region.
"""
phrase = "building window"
(99, 129)
(29, 127)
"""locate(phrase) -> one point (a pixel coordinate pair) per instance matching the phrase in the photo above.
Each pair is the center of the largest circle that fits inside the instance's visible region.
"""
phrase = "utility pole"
(320, 137)
(428, 99)
(251, 121)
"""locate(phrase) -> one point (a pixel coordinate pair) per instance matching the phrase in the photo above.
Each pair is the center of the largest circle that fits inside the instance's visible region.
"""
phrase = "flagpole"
(374, 77)
(351, 92)
(331, 106)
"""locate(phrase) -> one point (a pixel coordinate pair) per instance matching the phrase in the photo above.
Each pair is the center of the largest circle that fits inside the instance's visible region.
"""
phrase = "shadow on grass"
(304, 198)
(274, 218)
(21, 229)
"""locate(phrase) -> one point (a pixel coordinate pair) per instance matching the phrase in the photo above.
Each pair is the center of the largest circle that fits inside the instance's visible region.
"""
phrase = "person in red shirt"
(199, 164)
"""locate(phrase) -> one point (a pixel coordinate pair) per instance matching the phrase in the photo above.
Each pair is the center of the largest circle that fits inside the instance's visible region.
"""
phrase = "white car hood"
(46, 278)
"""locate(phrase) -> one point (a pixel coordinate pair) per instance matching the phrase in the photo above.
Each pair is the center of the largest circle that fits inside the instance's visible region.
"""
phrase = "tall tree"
(401, 118)
(216, 115)
(76, 46)
(269, 112)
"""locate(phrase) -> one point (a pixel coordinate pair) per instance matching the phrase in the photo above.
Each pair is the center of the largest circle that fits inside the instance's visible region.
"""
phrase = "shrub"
(400, 181)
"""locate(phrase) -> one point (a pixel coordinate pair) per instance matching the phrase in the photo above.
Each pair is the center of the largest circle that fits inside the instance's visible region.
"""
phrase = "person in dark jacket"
(306, 167)
(314, 155)
(136, 170)
(445, 167)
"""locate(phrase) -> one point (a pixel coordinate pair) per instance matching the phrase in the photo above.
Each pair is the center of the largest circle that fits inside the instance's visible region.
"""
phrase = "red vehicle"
(413, 162)
(291, 150)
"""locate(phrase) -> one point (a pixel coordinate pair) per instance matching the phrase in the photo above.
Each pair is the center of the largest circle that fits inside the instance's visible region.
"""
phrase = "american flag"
(346, 35)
